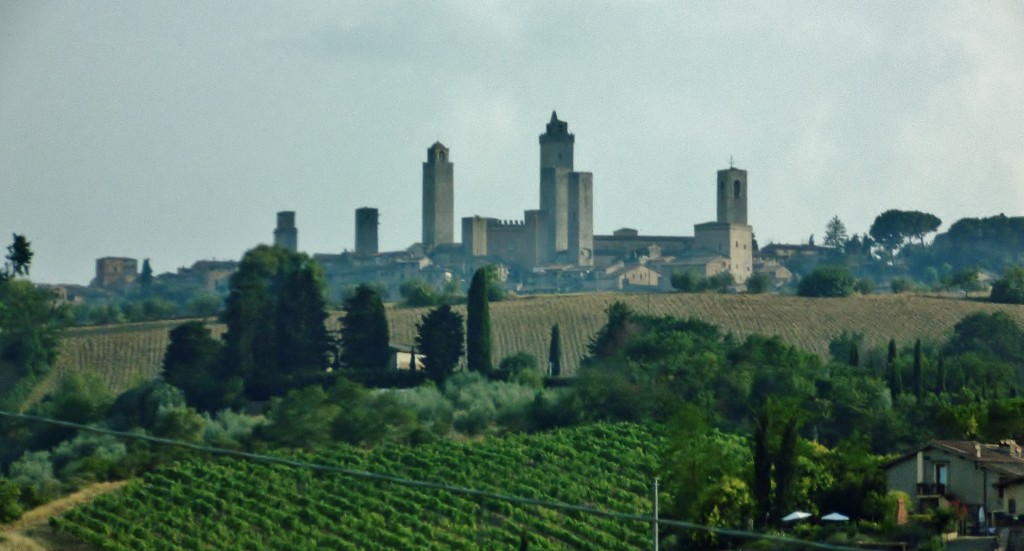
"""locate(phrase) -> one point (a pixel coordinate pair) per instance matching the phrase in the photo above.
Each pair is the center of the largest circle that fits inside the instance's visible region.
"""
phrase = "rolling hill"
(124, 355)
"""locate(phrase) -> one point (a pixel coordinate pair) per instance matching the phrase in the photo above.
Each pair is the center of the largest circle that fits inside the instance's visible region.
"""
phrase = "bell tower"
(732, 196)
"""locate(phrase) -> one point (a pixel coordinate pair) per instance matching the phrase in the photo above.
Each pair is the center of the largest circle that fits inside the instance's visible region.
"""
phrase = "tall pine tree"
(478, 325)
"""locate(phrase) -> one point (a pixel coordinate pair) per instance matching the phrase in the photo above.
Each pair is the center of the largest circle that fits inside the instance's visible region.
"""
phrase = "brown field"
(126, 354)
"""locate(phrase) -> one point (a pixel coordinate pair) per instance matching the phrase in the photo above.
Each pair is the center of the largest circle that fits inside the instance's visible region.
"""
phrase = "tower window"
(736, 189)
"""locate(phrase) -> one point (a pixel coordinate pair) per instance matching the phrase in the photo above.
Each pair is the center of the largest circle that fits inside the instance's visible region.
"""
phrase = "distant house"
(973, 474)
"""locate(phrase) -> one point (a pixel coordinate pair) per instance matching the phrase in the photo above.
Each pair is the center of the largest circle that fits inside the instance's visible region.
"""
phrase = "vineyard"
(125, 355)
(236, 504)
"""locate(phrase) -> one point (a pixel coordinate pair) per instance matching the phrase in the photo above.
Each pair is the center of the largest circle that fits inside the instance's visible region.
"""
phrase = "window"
(736, 189)
(941, 473)
(1011, 507)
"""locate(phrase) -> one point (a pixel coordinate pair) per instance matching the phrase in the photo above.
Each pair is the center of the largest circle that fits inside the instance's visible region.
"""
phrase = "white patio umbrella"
(835, 517)
(795, 516)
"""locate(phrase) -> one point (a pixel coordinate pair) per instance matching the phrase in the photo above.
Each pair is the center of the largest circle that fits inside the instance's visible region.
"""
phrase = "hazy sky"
(176, 130)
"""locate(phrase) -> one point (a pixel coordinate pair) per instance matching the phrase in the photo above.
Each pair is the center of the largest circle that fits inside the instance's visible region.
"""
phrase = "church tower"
(556, 151)
(730, 235)
(438, 198)
(732, 196)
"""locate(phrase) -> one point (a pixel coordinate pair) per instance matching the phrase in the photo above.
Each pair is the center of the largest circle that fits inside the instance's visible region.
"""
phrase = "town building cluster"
(551, 249)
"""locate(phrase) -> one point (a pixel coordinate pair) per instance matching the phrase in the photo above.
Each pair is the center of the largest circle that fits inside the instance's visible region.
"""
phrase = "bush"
(827, 281)
(10, 500)
(900, 285)
(1010, 288)
(864, 286)
(688, 282)
(417, 293)
(759, 283)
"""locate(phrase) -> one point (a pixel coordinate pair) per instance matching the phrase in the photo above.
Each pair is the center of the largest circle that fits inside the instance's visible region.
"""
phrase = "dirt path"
(32, 531)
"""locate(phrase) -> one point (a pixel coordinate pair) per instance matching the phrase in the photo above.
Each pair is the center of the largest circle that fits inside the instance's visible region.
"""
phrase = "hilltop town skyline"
(176, 133)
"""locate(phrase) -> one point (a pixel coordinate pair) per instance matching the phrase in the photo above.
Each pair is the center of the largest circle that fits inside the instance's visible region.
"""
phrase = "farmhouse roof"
(1004, 458)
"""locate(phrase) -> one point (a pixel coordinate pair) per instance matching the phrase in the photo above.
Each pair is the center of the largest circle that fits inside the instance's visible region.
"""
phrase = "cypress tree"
(555, 352)
(918, 383)
(942, 375)
(478, 325)
(439, 335)
(762, 488)
(364, 331)
(895, 379)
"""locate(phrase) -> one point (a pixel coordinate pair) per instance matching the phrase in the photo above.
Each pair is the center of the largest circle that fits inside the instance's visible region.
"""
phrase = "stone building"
(113, 271)
(561, 231)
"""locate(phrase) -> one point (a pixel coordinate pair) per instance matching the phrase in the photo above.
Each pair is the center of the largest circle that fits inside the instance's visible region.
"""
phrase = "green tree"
(19, 258)
(10, 500)
(417, 293)
(478, 325)
(301, 419)
(146, 279)
(895, 377)
(555, 352)
(1009, 289)
(835, 234)
(32, 323)
(758, 283)
(688, 281)
(365, 339)
(894, 228)
(918, 375)
(274, 313)
(827, 281)
(440, 339)
(192, 364)
(511, 368)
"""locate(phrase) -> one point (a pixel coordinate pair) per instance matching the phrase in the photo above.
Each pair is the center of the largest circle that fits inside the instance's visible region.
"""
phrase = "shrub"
(688, 281)
(759, 283)
(827, 281)
(900, 285)
(864, 286)
(1010, 288)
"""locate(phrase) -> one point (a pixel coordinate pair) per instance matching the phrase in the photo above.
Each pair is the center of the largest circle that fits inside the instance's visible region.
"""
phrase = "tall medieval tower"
(438, 198)
(366, 231)
(556, 150)
(286, 234)
(730, 235)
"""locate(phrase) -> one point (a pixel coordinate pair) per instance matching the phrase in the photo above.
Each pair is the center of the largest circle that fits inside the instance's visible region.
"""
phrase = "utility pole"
(654, 523)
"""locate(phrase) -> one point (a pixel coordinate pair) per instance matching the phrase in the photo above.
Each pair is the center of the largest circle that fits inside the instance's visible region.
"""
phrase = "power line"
(319, 467)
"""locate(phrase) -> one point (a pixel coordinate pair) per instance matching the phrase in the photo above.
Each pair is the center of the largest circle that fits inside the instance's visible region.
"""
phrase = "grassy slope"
(126, 354)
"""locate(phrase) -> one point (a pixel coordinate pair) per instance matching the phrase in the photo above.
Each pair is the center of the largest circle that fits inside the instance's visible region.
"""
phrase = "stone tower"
(732, 196)
(730, 235)
(438, 198)
(286, 235)
(581, 219)
(556, 152)
(366, 231)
